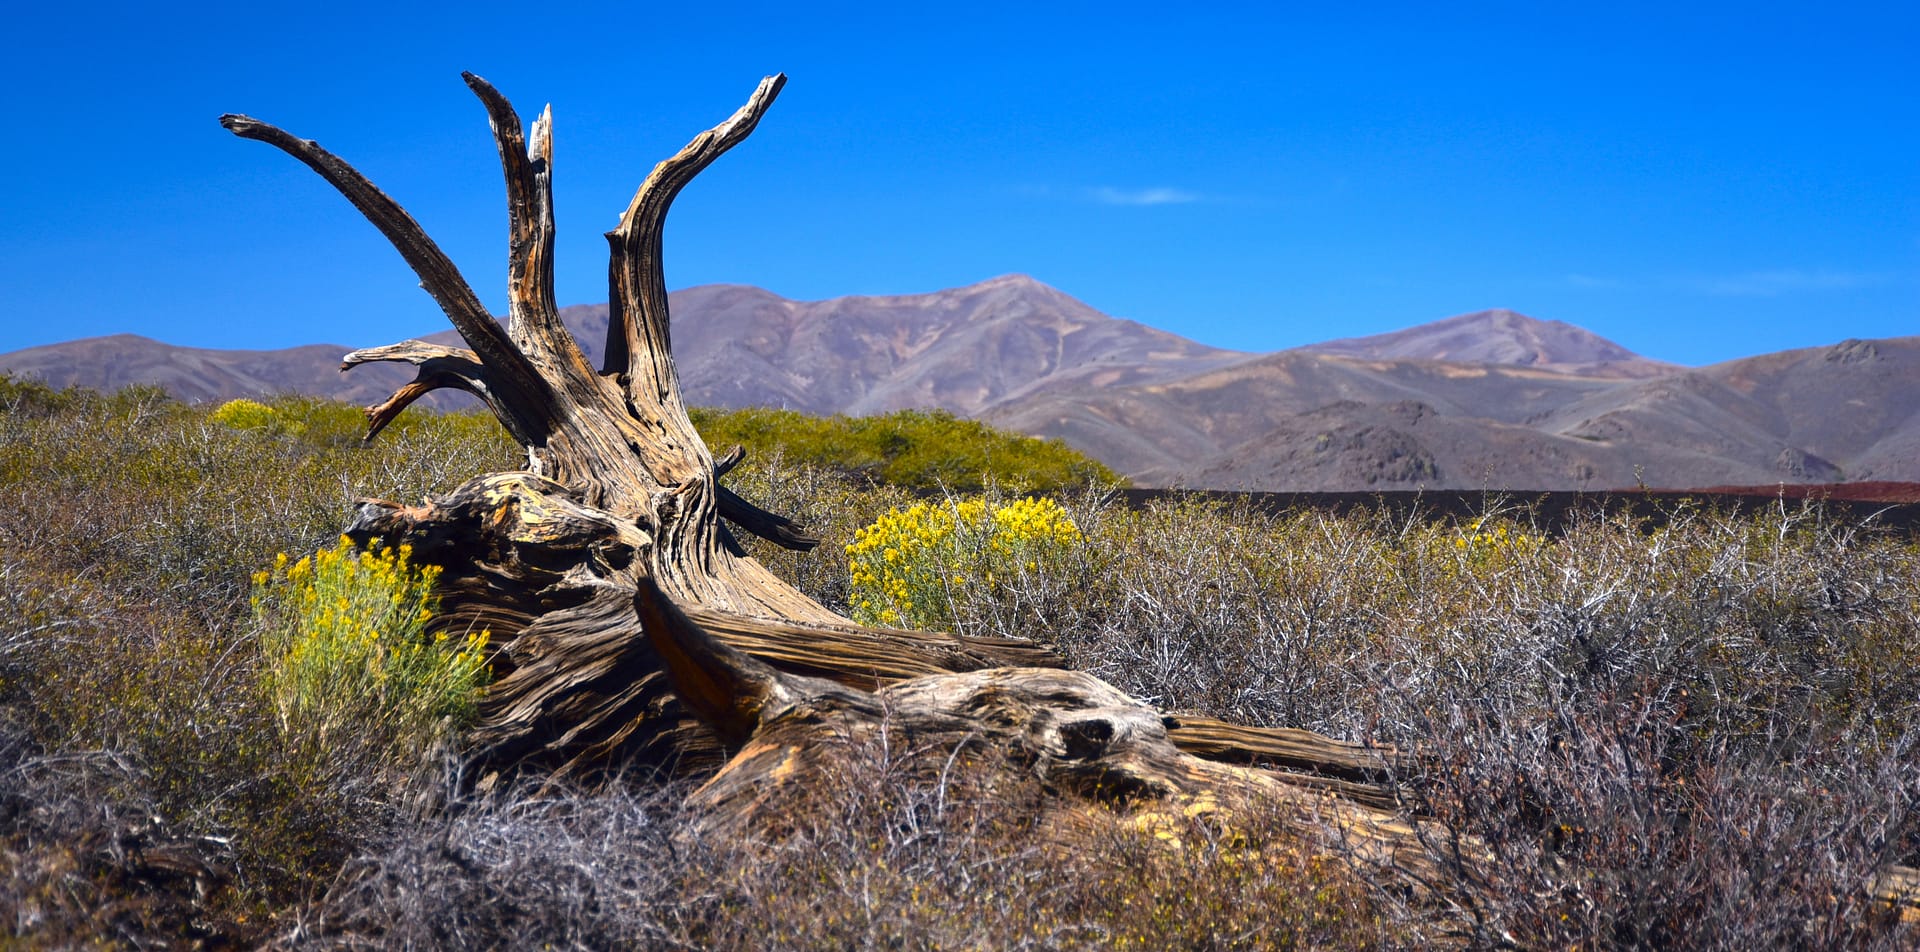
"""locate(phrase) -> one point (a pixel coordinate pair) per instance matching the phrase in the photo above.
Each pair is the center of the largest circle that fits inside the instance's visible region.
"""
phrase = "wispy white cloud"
(1591, 281)
(1784, 281)
(1110, 195)
(1157, 195)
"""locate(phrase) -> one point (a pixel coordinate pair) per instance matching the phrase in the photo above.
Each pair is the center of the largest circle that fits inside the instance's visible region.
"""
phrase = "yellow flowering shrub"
(905, 568)
(346, 643)
(244, 414)
(1488, 544)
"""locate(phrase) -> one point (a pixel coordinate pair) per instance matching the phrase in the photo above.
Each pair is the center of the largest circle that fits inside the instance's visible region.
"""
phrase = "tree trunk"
(633, 630)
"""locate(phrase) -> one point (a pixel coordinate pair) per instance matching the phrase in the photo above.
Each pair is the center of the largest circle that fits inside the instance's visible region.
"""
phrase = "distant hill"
(1850, 411)
(963, 350)
(1308, 422)
(1493, 399)
(193, 373)
(1504, 337)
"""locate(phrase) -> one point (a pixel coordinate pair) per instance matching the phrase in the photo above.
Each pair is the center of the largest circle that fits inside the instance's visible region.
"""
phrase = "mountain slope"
(963, 349)
(1239, 413)
(1505, 337)
(1487, 400)
(192, 373)
(1305, 421)
(1849, 411)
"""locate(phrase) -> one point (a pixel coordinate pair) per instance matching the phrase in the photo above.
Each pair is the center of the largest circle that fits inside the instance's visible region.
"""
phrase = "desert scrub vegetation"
(132, 677)
(1697, 734)
(871, 859)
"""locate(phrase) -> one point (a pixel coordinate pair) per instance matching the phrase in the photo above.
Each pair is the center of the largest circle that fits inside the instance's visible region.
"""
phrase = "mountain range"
(1493, 399)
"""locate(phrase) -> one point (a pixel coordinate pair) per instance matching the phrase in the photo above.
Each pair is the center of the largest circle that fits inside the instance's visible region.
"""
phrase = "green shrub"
(916, 449)
(906, 568)
(345, 636)
(24, 397)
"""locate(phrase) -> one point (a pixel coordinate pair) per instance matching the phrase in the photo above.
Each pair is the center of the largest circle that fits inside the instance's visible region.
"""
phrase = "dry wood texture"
(632, 628)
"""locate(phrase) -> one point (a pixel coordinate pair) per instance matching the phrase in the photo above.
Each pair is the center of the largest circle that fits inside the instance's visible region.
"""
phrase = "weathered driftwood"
(632, 628)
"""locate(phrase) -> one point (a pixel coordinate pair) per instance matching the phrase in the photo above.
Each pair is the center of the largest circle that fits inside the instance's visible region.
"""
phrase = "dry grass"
(872, 859)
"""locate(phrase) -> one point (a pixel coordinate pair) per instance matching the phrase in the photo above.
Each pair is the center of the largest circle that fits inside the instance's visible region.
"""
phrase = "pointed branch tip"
(240, 125)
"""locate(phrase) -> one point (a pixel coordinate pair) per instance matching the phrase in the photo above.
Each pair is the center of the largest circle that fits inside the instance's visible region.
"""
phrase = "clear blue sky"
(1698, 184)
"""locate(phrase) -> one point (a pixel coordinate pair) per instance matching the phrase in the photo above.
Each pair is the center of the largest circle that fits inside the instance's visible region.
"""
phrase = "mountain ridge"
(1506, 337)
(1491, 399)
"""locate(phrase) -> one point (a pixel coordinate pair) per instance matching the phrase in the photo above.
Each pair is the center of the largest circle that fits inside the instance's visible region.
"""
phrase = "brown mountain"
(1849, 411)
(964, 349)
(193, 373)
(1297, 420)
(1500, 336)
(1487, 400)
(1315, 422)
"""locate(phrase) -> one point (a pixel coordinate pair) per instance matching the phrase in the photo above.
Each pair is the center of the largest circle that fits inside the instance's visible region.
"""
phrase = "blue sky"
(1699, 183)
